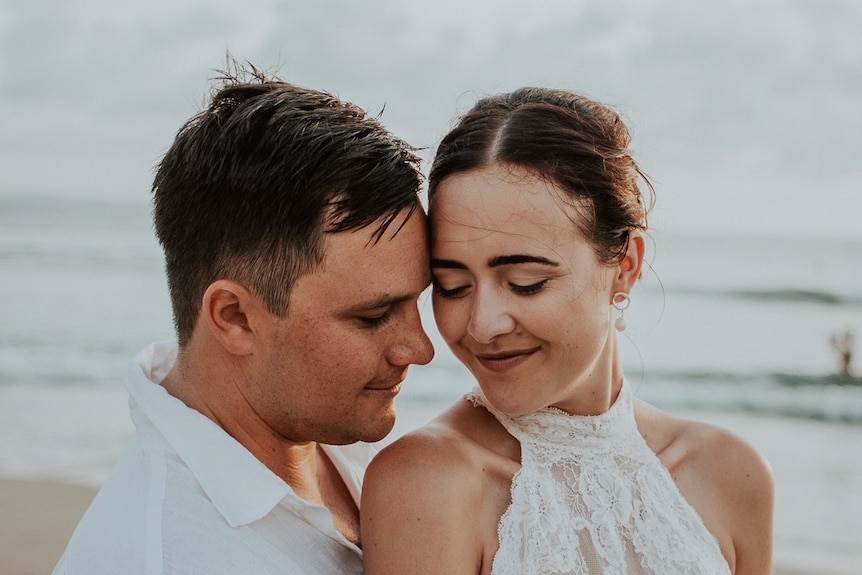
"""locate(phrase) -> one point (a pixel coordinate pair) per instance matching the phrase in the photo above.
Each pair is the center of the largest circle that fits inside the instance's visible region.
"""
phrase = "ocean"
(730, 323)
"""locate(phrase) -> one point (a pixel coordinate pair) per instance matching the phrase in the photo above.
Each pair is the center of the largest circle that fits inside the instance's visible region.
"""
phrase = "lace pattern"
(592, 498)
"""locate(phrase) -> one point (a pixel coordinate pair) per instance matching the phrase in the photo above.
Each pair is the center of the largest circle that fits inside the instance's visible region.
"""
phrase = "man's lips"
(392, 387)
(504, 361)
(380, 392)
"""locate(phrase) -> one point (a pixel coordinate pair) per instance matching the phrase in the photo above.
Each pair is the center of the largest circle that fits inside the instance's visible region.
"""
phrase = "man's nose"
(414, 347)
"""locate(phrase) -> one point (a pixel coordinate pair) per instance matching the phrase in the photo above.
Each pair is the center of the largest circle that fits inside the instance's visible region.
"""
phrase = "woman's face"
(519, 294)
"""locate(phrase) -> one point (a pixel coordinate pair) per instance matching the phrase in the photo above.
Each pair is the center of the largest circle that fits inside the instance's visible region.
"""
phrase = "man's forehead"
(366, 263)
(404, 227)
(387, 223)
(363, 247)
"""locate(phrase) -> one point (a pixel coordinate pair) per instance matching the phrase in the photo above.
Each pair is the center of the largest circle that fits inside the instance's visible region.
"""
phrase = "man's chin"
(369, 434)
(381, 431)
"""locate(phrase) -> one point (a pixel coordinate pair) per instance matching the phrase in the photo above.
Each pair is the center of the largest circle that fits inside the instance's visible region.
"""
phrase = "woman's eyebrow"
(520, 259)
(447, 264)
(496, 261)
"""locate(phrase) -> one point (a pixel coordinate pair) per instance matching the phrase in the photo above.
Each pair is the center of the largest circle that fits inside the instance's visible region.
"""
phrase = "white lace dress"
(591, 497)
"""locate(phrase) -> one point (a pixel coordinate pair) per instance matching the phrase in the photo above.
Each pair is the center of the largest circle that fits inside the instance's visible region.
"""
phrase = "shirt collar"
(242, 488)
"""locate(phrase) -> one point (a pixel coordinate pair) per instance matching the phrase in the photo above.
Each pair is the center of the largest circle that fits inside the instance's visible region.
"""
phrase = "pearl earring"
(621, 302)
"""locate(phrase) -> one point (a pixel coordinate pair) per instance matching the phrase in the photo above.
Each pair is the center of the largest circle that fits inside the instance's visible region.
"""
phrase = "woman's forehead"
(503, 199)
(485, 214)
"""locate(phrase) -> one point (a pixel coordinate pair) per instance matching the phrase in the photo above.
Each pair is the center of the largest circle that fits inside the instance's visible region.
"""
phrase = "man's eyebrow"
(384, 300)
(520, 259)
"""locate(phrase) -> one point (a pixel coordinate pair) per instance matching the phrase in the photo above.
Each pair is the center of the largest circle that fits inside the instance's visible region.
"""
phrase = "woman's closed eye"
(524, 289)
(453, 292)
(528, 289)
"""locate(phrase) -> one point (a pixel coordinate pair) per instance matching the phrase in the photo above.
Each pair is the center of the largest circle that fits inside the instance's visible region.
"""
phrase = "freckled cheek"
(351, 368)
(336, 349)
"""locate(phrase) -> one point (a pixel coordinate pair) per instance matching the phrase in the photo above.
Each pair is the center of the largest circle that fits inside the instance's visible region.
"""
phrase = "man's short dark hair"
(251, 184)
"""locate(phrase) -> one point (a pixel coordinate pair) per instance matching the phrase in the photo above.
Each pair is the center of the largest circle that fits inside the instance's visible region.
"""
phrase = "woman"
(550, 465)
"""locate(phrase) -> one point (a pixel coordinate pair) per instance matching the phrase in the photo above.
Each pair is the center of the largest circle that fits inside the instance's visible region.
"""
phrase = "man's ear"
(629, 270)
(228, 309)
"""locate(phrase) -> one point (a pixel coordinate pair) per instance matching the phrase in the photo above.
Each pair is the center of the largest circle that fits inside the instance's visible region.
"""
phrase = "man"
(296, 250)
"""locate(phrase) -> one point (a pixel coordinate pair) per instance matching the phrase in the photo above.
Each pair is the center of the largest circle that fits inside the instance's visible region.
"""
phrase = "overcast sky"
(746, 113)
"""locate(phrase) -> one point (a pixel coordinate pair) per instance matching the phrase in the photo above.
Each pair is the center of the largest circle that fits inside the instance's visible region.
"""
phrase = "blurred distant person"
(551, 465)
(843, 346)
(296, 249)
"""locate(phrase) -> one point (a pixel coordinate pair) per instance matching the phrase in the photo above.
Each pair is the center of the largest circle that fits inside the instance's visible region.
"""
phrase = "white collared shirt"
(186, 497)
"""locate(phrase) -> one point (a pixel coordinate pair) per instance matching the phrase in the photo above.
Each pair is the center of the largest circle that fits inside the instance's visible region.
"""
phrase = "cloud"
(753, 103)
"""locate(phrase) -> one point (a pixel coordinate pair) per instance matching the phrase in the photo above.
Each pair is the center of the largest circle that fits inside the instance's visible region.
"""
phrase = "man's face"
(335, 363)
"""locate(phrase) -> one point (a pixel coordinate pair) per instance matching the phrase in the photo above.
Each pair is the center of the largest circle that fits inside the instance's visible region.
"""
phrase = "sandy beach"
(816, 465)
(37, 518)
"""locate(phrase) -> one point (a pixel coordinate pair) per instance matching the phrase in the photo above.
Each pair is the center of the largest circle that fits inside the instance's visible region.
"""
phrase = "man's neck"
(336, 497)
(304, 466)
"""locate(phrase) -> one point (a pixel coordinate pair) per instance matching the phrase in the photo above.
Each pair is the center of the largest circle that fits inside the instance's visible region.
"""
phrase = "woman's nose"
(489, 318)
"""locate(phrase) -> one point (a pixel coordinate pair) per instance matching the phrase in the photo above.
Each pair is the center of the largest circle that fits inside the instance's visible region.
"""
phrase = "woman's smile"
(505, 361)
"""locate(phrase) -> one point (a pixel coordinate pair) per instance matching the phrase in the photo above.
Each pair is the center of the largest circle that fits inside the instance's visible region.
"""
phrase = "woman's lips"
(500, 362)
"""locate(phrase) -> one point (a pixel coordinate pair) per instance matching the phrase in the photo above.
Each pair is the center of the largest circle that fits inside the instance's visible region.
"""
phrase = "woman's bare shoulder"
(704, 448)
(425, 499)
(723, 476)
(427, 449)
(452, 445)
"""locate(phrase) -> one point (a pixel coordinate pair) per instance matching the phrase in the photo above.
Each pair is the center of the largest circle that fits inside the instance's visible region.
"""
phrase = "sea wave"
(823, 397)
(55, 366)
(818, 396)
(775, 295)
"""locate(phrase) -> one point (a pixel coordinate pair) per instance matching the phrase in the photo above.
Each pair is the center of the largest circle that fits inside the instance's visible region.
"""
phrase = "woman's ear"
(228, 308)
(630, 266)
